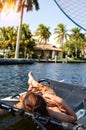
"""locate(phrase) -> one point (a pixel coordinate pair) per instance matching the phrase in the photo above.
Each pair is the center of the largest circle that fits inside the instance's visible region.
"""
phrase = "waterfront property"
(47, 50)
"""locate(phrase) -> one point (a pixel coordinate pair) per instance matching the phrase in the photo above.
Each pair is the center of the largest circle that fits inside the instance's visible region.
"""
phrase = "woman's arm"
(54, 113)
(62, 109)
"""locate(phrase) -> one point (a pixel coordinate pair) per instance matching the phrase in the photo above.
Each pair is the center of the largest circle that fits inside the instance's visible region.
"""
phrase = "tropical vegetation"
(43, 34)
(8, 37)
(20, 5)
(19, 41)
(74, 45)
(61, 34)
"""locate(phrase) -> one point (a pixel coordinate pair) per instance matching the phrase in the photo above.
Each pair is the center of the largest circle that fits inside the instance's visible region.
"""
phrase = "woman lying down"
(42, 99)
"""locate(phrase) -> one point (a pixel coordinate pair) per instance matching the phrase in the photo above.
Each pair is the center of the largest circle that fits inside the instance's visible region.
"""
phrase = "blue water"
(13, 78)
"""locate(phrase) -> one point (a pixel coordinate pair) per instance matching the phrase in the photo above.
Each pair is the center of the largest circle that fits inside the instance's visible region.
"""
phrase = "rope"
(75, 10)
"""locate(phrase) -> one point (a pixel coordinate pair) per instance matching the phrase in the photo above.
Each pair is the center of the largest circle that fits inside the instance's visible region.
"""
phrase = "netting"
(75, 10)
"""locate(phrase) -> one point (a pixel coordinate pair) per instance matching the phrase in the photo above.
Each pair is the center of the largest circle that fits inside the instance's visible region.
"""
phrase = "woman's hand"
(54, 101)
(49, 99)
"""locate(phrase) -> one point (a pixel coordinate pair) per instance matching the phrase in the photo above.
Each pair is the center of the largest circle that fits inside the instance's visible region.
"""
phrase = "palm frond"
(36, 4)
(11, 3)
(1, 6)
(29, 4)
(20, 4)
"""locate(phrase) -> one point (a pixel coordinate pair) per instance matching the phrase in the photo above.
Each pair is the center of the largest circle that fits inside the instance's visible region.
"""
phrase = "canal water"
(13, 78)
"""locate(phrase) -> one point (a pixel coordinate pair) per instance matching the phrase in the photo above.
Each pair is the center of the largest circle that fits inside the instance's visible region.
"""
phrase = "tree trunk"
(19, 34)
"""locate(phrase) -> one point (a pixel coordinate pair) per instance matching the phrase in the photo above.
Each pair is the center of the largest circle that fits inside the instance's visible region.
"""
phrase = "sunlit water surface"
(13, 78)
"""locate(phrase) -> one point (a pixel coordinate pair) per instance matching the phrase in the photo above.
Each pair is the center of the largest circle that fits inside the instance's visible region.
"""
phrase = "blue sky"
(49, 15)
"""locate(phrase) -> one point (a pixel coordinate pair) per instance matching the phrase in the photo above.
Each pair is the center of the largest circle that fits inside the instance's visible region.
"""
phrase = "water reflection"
(13, 78)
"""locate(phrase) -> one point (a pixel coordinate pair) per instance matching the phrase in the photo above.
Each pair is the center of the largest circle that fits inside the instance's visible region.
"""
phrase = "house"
(47, 50)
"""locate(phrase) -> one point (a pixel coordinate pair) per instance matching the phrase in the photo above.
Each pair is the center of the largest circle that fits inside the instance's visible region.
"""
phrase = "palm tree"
(29, 6)
(43, 33)
(76, 37)
(12, 34)
(8, 37)
(61, 34)
(21, 4)
(4, 37)
(75, 33)
(26, 37)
